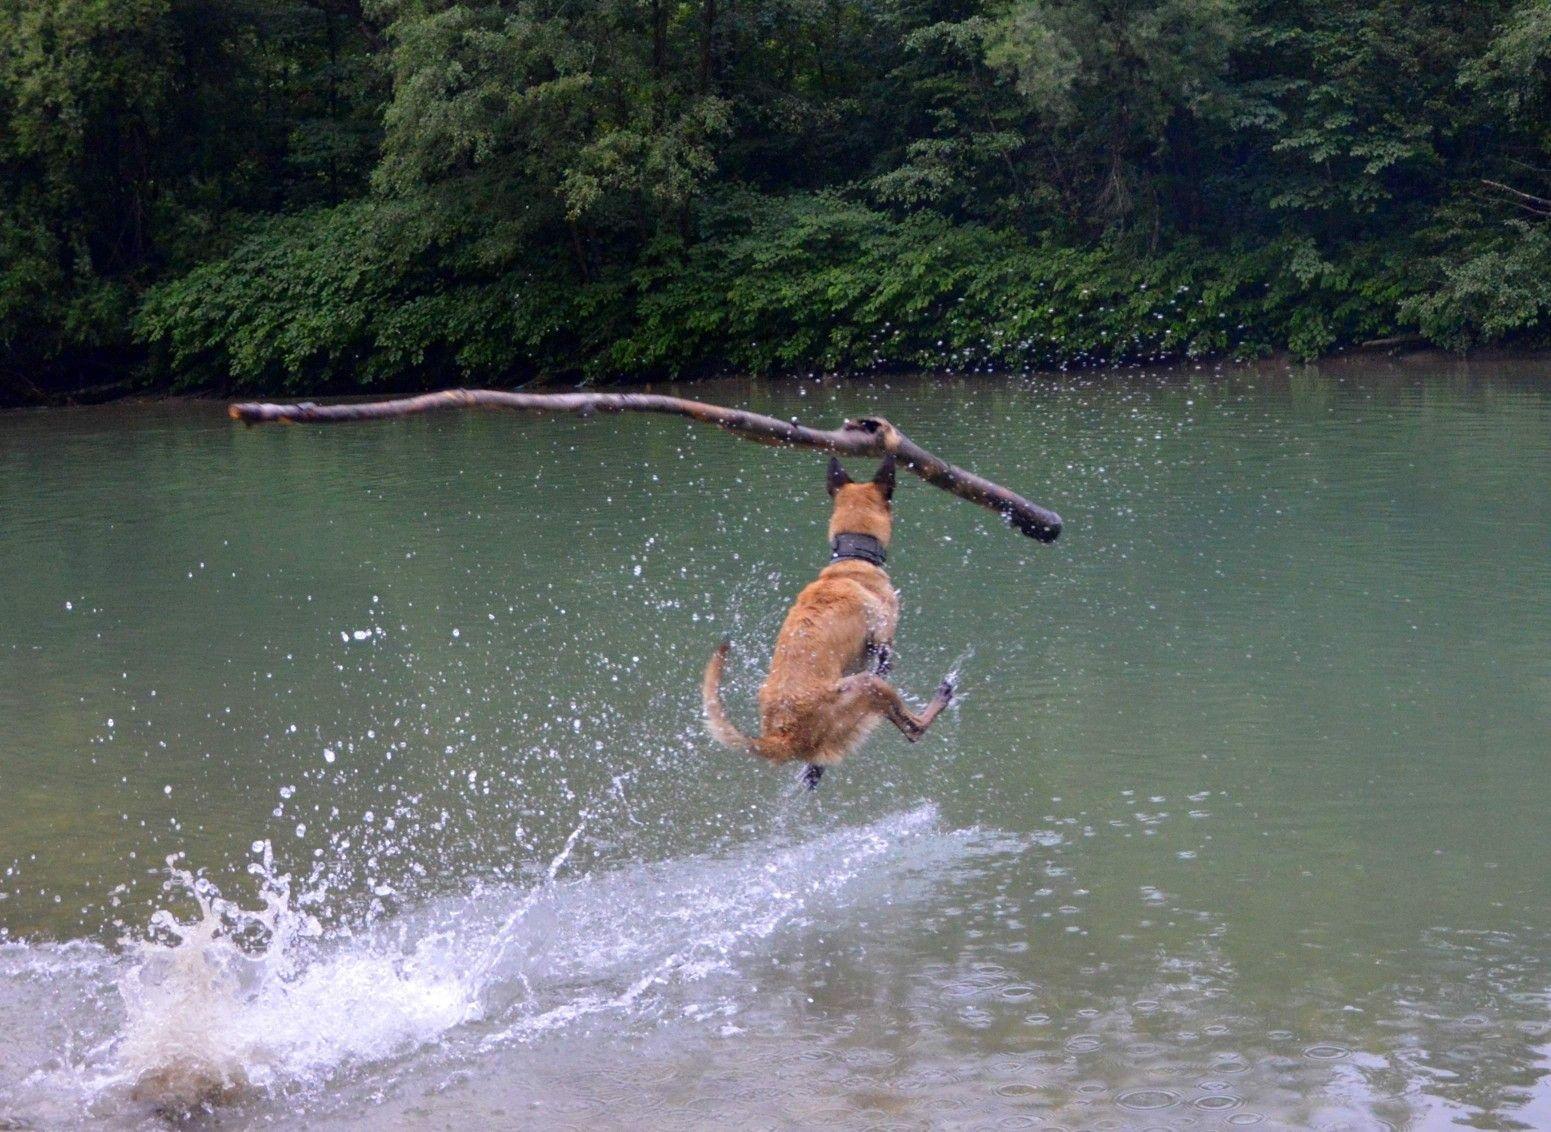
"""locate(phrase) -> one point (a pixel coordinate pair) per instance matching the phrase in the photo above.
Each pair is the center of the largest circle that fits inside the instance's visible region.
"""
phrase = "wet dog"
(826, 690)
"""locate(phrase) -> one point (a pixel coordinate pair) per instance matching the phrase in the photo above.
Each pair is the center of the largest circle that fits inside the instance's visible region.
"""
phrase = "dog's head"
(862, 508)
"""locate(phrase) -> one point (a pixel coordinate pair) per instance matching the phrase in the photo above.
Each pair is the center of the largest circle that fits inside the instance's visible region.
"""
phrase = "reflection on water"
(1239, 821)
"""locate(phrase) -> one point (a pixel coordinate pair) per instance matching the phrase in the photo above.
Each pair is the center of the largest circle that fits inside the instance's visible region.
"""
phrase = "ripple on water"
(1229, 1062)
(869, 1058)
(1082, 1043)
(927, 1077)
(1465, 1054)
(1017, 1091)
(1218, 1102)
(975, 1018)
(963, 989)
(1145, 1100)
(649, 1073)
(1325, 1051)
(1006, 1064)
(574, 1106)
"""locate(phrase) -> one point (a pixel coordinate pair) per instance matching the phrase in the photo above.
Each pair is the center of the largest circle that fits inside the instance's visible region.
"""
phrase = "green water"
(1242, 816)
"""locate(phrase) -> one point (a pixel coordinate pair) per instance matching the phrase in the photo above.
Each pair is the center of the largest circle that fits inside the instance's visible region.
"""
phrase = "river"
(360, 769)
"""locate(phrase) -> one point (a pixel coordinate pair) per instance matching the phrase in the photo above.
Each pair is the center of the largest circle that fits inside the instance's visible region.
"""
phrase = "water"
(355, 775)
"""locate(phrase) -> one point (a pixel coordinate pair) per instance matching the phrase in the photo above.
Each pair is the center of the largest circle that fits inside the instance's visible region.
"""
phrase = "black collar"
(865, 547)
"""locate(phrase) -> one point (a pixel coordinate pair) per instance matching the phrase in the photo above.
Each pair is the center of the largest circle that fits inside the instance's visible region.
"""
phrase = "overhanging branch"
(869, 436)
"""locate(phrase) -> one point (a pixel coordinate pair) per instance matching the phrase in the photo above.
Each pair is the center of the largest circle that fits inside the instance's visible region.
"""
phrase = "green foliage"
(132, 132)
(303, 194)
(772, 285)
(818, 283)
(1489, 294)
(1110, 79)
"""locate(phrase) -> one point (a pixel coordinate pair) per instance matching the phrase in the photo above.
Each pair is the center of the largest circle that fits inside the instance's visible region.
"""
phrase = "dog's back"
(827, 636)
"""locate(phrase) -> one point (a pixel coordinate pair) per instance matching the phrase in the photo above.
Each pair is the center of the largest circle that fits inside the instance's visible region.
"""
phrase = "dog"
(827, 686)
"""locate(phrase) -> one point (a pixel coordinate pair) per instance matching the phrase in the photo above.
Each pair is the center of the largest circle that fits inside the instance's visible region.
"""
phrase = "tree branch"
(869, 436)
(1540, 206)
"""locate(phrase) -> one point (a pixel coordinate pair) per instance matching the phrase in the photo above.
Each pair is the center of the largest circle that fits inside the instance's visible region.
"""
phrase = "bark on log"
(868, 436)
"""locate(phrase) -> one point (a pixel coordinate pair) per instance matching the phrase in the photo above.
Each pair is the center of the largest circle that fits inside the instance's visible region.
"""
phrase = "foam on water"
(255, 1004)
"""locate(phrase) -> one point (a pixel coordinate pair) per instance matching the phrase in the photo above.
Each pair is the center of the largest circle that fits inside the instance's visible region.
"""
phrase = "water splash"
(232, 1004)
(626, 936)
(956, 670)
(235, 1001)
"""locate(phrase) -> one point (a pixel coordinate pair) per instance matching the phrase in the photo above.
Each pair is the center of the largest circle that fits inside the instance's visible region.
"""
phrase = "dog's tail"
(721, 728)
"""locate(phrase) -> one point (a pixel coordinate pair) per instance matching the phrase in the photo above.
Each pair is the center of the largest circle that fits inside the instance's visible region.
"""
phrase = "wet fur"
(826, 690)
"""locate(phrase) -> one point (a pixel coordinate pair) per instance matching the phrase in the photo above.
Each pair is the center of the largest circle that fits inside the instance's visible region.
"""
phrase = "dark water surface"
(361, 768)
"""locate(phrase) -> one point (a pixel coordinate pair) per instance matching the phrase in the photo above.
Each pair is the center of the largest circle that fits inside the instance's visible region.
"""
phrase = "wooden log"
(868, 436)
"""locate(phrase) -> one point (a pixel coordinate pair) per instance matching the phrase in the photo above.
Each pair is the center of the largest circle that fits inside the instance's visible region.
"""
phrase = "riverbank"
(1406, 358)
(433, 197)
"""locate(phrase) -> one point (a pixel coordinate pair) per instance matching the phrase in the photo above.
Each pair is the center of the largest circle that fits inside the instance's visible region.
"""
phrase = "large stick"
(870, 436)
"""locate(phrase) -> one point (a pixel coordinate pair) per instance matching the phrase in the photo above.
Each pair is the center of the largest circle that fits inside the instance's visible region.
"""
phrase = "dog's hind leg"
(811, 775)
(884, 698)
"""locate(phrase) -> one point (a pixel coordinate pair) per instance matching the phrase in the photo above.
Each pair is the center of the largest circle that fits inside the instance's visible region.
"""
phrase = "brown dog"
(820, 700)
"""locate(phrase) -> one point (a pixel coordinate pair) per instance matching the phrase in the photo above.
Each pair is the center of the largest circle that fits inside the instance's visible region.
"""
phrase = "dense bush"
(771, 285)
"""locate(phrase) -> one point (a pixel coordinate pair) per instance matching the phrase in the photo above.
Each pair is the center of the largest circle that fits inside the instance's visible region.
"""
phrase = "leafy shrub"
(355, 294)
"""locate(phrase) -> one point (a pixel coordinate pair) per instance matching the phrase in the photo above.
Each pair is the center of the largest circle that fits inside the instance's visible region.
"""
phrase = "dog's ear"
(837, 477)
(884, 477)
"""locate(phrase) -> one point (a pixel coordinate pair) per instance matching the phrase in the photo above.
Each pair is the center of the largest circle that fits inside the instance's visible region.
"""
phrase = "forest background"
(351, 194)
